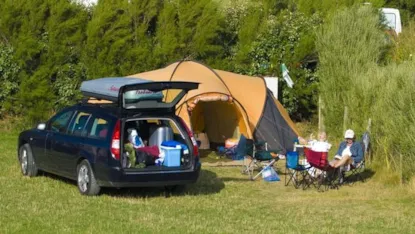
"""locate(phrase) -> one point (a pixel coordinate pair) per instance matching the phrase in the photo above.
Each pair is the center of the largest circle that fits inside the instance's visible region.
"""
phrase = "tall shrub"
(352, 74)
(47, 37)
(349, 45)
(189, 30)
(394, 118)
(118, 42)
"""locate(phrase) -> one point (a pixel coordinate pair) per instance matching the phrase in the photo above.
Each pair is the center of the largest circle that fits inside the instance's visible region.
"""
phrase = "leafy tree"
(23, 24)
(120, 37)
(47, 36)
(66, 36)
(189, 30)
(287, 37)
(253, 24)
(9, 70)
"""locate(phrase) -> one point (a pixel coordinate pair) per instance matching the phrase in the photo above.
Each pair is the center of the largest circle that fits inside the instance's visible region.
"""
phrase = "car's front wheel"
(87, 184)
(27, 162)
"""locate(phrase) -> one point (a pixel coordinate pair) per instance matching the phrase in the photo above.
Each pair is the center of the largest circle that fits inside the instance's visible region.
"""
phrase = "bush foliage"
(354, 74)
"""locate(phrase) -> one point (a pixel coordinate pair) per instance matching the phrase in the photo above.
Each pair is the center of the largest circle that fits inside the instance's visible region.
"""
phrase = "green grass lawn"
(222, 201)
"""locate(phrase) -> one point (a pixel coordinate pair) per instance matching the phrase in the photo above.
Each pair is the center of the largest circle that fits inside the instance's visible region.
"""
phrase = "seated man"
(349, 152)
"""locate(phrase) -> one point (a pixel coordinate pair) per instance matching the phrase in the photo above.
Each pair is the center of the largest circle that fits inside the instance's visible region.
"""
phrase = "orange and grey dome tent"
(227, 104)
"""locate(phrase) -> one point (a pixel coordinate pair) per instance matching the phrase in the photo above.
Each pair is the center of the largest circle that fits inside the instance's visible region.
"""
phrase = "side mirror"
(41, 126)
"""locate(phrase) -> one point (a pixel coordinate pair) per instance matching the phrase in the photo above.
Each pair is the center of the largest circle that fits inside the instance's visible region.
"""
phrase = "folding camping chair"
(256, 155)
(328, 175)
(356, 171)
(295, 172)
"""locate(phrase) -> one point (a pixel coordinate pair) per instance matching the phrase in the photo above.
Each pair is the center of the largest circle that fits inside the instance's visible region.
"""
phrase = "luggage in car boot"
(144, 159)
(160, 134)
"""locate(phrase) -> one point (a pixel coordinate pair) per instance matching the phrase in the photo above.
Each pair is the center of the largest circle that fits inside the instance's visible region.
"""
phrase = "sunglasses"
(349, 138)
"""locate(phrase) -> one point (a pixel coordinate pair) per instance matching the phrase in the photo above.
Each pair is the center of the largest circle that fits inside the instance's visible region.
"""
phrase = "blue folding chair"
(294, 172)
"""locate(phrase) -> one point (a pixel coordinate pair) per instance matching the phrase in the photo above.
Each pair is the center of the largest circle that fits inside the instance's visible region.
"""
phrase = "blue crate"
(171, 156)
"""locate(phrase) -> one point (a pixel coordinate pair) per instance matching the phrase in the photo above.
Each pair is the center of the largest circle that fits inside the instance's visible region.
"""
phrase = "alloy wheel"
(83, 178)
(24, 161)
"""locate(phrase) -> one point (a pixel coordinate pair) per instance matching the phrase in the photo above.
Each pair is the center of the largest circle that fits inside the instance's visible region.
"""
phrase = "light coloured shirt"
(320, 146)
(347, 151)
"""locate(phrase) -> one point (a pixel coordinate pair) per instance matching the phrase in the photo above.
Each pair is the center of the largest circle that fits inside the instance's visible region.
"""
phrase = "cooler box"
(175, 144)
(171, 156)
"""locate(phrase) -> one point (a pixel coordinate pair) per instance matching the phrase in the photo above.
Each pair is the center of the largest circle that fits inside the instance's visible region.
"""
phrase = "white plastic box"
(171, 156)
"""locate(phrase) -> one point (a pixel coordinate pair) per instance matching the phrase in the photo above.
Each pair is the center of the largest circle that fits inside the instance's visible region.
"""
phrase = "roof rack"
(95, 101)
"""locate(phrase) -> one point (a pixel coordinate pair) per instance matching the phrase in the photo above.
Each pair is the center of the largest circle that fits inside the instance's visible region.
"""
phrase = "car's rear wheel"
(87, 184)
(27, 162)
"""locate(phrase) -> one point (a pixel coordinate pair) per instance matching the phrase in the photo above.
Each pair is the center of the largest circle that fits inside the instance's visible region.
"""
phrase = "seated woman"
(350, 152)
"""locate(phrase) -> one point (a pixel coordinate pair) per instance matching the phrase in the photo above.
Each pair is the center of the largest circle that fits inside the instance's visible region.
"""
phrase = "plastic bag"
(270, 175)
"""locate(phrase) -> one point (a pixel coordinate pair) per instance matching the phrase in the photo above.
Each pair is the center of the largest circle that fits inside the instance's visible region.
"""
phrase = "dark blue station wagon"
(88, 142)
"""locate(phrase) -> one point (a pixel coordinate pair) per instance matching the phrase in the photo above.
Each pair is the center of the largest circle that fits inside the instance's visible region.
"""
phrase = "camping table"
(301, 146)
(302, 160)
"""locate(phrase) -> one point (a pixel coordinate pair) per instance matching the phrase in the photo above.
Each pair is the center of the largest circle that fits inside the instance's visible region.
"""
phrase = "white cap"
(349, 133)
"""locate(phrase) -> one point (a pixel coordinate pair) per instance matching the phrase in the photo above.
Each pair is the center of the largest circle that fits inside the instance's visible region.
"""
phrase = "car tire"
(85, 178)
(27, 162)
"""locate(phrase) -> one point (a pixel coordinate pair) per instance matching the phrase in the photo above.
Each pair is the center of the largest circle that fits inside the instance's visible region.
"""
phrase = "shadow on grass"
(208, 183)
(362, 176)
(366, 174)
(226, 179)
(56, 177)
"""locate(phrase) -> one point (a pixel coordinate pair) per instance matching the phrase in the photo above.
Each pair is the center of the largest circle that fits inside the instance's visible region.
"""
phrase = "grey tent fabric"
(273, 128)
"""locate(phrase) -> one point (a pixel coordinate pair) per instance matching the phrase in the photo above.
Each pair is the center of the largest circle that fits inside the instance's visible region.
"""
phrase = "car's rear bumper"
(115, 177)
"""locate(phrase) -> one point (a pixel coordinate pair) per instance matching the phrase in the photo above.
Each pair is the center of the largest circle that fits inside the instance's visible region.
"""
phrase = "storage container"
(160, 134)
(171, 156)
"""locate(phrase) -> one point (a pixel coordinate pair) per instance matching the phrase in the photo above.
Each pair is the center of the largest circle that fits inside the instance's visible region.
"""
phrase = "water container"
(160, 134)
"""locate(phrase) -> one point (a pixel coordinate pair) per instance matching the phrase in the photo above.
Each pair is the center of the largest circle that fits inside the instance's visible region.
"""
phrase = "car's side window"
(60, 122)
(99, 128)
(79, 123)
